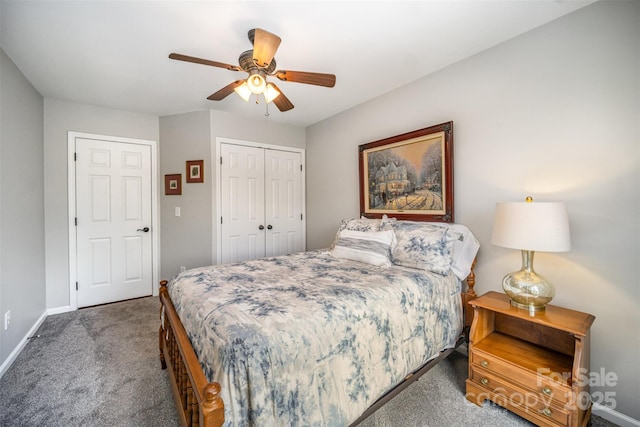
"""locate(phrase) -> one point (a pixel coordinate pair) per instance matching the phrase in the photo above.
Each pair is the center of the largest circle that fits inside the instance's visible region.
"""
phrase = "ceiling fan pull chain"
(266, 108)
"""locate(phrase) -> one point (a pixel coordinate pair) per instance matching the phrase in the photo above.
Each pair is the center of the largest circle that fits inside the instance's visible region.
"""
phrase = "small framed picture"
(195, 170)
(173, 184)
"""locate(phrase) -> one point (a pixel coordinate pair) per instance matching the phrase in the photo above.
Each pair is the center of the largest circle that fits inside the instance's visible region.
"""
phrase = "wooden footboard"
(198, 402)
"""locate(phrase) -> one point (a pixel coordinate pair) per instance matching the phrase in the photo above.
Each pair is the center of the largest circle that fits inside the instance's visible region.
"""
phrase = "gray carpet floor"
(99, 367)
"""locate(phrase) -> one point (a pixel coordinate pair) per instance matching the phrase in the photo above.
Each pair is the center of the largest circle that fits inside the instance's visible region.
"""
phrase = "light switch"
(177, 211)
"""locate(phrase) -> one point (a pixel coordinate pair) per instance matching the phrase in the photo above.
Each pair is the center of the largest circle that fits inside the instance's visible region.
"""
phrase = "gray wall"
(22, 259)
(553, 113)
(60, 117)
(187, 240)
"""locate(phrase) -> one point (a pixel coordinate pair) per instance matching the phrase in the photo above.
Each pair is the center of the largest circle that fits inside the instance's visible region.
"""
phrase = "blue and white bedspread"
(309, 339)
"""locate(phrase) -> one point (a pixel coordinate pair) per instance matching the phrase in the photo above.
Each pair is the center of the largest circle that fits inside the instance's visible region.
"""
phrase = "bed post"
(467, 296)
(163, 363)
(212, 411)
(471, 281)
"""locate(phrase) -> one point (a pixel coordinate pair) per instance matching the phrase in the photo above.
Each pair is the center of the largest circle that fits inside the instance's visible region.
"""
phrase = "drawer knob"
(546, 411)
(547, 391)
(484, 381)
(484, 363)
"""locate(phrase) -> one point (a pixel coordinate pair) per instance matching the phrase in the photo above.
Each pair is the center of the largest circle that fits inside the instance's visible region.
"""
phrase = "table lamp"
(529, 226)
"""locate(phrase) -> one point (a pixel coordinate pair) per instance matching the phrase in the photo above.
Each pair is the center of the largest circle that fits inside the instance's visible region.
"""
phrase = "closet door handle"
(269, 227)
(261, 227)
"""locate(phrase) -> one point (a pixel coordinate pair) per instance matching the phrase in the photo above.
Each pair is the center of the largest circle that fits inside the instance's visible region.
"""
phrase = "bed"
(323, 337)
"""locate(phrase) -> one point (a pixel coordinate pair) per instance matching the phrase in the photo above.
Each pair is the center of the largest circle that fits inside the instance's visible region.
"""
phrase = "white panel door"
(242, 203)
(113, 210)
(283, 207)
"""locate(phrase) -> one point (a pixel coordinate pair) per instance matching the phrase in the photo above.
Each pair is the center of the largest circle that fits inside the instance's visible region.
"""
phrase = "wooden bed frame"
(199, 403)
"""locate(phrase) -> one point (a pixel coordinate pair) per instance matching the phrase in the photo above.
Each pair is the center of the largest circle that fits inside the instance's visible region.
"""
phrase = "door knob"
(261, 227)
(269, 227)
(146, 229)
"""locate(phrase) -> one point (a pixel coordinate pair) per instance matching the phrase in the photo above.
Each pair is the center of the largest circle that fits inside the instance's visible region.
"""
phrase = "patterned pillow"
(427, 246)
(371, 247)
(360, 224)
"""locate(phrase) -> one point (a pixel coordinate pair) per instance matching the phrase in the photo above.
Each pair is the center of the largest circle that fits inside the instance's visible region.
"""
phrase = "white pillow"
(464, 251)
(370, 247)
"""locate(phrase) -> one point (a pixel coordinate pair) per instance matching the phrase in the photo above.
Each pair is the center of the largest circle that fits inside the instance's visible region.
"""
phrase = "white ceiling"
(115, 53)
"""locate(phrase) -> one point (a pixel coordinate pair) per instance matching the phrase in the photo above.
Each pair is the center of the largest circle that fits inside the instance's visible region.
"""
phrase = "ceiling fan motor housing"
(247, 64)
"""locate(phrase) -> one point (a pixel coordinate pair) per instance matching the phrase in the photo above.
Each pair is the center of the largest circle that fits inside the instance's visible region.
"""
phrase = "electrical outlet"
(7, 320)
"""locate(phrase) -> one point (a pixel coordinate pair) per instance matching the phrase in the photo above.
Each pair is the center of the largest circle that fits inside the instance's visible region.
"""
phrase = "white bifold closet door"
(261, 197)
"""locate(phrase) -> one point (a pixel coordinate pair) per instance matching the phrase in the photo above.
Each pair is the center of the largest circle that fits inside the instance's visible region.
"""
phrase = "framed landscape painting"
(409, 176)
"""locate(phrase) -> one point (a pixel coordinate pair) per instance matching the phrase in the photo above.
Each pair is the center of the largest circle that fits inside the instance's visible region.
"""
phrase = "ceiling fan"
(259, 62)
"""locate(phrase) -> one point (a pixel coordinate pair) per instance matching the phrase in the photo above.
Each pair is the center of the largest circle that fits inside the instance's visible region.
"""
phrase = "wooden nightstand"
(534, 364)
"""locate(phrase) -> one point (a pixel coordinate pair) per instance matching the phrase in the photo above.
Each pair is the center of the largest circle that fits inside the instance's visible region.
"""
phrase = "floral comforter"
(309, 339)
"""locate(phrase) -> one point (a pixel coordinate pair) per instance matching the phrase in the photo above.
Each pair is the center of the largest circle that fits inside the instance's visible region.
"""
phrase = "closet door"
(242, 198)
(283, 207)
(261, 202)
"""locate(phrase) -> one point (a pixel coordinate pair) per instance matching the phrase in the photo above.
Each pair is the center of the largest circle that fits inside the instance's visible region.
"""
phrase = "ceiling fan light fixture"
(271, 93)
(256, 82)
(244, 91)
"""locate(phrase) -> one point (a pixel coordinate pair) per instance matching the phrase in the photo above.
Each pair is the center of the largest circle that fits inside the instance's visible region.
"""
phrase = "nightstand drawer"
(507, 394)
(531, 380)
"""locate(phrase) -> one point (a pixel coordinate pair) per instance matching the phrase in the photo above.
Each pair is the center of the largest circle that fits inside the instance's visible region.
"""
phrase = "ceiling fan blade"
(265, 45)
(187, 58)
(225, 91)
(319, 79)
(281, 101)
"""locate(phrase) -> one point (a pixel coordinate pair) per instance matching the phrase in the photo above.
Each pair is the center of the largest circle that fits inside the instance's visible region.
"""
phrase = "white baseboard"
(59, 310)
(16, 351)
(615, 417)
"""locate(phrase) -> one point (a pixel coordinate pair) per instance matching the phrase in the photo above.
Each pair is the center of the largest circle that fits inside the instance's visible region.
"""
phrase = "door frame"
(71, 187)
(217, 193)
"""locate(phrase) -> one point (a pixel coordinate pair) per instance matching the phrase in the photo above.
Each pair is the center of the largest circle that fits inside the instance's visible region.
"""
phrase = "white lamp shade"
(243, 91)
(531, 226)
(256, 83)
(271, 93)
